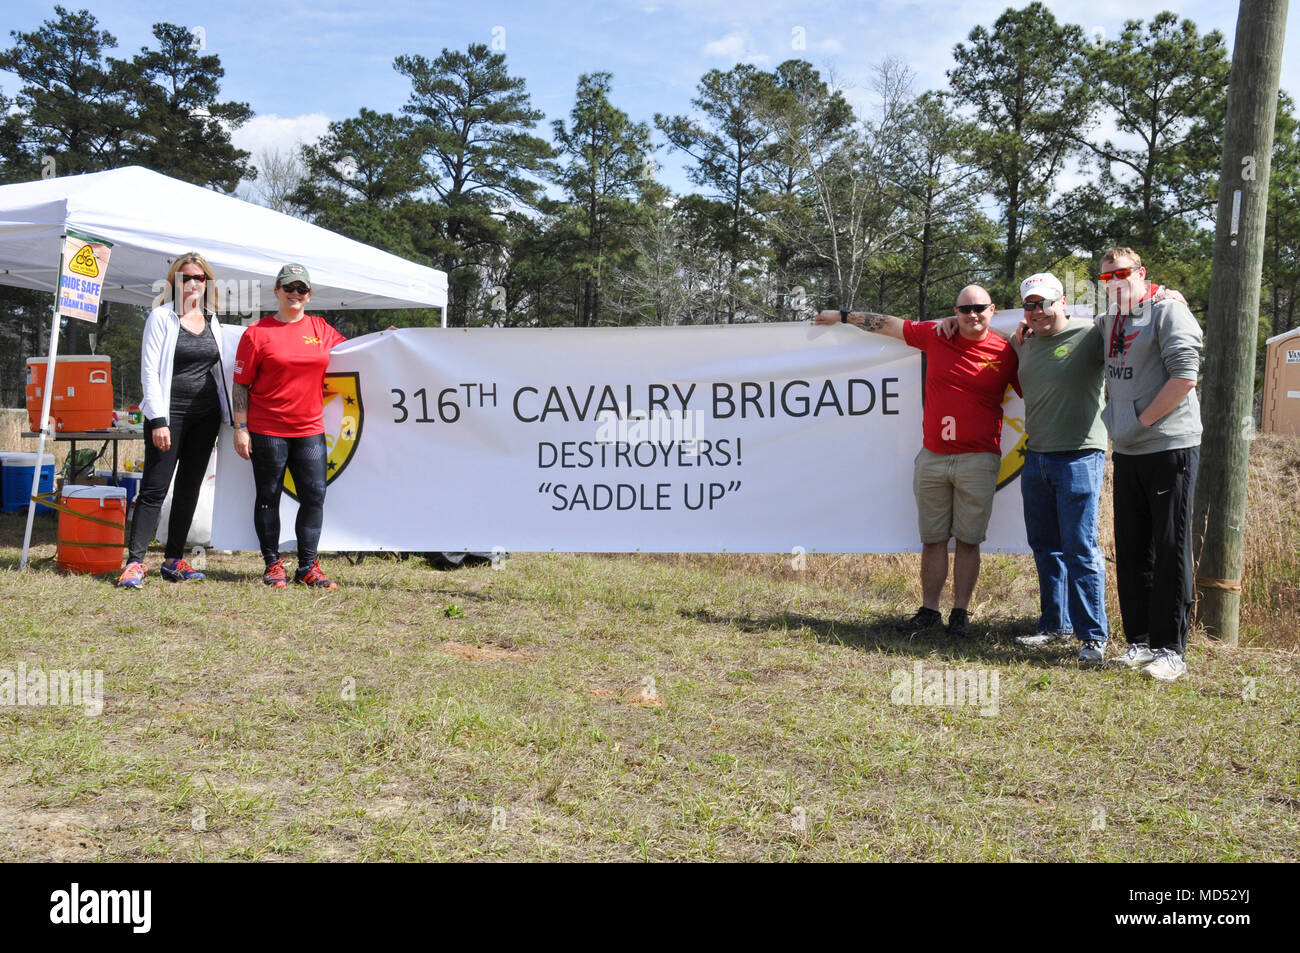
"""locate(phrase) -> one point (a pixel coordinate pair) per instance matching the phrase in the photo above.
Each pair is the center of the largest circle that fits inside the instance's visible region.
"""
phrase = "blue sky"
(300, 65)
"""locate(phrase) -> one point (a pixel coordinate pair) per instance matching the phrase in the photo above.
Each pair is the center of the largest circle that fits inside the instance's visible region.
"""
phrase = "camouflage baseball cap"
(293, 272)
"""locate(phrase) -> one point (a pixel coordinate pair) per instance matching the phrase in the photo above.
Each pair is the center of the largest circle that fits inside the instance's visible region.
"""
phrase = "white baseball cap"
(1044, 284)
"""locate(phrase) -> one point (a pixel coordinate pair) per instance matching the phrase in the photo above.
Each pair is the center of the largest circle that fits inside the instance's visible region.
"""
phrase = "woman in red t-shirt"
(280, 421)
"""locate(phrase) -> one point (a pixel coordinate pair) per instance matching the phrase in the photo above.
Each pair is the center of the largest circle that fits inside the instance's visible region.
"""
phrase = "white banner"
(781, 438)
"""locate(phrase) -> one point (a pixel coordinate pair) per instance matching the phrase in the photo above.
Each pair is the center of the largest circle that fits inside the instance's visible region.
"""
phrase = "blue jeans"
(1060, 492)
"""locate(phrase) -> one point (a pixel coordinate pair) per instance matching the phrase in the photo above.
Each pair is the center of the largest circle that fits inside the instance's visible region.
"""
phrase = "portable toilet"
(1282, 384)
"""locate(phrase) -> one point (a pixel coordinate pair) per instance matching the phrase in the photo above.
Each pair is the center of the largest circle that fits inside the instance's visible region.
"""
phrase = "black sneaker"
(959, 624)
(924, 619)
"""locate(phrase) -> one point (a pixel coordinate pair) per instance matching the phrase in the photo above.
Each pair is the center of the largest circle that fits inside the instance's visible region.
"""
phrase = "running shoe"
(274, 575)
(132, 576)
(178, 570)
(1092, 653)
(1139, 654)
(311, 575)
(1168, 666)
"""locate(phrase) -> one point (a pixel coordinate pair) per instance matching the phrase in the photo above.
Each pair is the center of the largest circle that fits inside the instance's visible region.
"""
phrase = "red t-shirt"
(283, 366)
(965, 382)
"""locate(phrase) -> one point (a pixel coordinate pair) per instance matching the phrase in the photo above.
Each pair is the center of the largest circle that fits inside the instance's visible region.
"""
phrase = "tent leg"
(45, 415)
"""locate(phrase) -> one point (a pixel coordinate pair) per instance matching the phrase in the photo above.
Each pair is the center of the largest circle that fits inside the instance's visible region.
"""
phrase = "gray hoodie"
(1144, 350)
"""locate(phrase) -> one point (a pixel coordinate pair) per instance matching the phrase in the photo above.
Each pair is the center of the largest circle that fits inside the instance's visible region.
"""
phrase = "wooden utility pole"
(1232, 325)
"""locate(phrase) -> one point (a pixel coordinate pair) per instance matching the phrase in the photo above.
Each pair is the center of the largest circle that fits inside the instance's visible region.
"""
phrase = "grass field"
(635, 707)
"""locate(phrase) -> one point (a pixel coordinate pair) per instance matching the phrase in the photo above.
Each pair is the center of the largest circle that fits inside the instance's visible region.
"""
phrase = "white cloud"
(735, 47)
(272, 133)
(285, 133)
(729, 47)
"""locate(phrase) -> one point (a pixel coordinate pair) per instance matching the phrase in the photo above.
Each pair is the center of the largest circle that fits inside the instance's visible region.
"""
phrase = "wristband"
(241, 426)
(844, 315)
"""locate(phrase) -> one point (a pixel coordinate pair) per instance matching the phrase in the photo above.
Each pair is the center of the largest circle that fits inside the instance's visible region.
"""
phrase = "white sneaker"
(1045, 638)
(1093, 652)
(1168, 666)
(1138, 655)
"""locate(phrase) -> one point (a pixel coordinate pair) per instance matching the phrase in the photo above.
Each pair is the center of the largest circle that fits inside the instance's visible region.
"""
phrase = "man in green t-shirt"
(1061, 374)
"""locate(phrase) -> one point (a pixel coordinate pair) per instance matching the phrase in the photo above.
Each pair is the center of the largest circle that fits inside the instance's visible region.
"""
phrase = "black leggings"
(193, 436)
(304, 457)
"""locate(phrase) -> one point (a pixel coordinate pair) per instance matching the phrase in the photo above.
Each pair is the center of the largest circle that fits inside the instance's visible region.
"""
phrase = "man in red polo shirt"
(956, 472)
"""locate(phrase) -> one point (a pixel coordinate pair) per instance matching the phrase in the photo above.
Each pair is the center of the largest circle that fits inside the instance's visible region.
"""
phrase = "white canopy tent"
(152, 218)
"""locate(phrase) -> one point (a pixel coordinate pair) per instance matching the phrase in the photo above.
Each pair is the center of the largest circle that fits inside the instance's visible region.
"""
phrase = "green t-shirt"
(1062, 378)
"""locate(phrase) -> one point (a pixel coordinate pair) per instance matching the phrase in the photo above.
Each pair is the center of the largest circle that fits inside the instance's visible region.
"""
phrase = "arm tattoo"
(241, 399)
(873, 321)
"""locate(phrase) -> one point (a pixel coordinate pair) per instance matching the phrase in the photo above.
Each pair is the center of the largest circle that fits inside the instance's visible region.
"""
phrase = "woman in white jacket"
(184, 403)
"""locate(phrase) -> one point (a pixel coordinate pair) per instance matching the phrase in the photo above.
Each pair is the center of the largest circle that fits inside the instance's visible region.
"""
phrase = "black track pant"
(193, 436)
(304, 458)
(1153, 545)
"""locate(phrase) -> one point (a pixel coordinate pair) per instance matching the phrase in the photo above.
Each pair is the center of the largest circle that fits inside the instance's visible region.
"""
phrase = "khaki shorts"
(954, 494)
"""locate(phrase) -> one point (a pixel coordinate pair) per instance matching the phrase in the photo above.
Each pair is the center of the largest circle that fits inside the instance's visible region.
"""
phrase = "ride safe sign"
(81, 279)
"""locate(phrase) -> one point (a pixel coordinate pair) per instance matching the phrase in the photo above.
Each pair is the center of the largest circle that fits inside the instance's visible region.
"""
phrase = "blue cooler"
(126, 479)
(16, 480)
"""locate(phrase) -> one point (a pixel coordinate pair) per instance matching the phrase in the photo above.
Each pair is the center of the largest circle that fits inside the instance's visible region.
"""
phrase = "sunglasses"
(1045, 305)
(297, 288)
(974, 308)
(186, 279)
(1119, 274)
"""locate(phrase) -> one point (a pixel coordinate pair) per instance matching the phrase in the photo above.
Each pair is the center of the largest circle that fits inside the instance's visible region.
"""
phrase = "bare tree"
(656, 292)
(856, 204)
(279, 173)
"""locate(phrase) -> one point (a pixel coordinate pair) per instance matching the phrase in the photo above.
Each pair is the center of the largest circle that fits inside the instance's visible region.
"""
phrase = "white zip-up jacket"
(158, 354)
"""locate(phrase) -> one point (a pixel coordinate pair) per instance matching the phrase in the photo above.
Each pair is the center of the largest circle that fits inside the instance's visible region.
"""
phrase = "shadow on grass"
(989, 643)
(14, 525)
(13, 562)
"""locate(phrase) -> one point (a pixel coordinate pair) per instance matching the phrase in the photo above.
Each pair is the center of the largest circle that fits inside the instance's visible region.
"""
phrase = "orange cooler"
(83, 392)
(91, 537)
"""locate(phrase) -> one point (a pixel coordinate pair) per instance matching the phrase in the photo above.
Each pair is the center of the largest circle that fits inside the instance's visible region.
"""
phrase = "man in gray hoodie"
(1154, 419)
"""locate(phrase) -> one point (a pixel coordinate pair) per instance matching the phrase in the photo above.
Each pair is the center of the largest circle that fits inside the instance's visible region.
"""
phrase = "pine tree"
(607, 156)
(362, 178)
(726, 148)
(800, 107)
(1166, 89)
(1024, 81)
(1282, 243)
(179, 125)
(482, 161)
(945, 228)
(73, 103)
